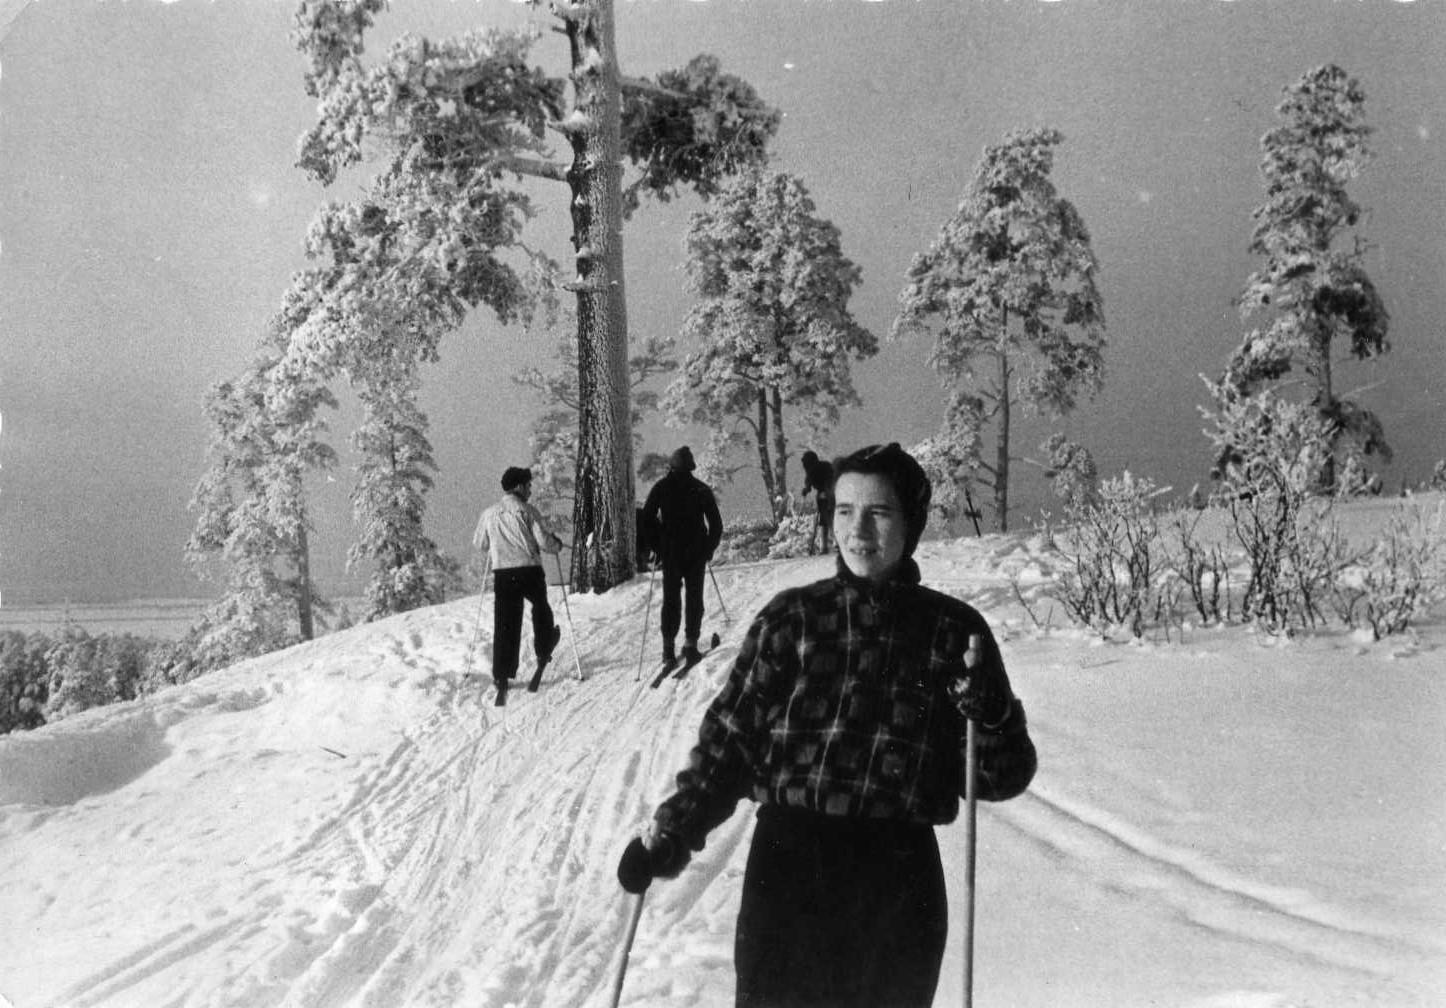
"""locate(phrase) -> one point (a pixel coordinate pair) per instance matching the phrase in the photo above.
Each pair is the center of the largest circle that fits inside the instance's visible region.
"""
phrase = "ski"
(686, 665)
(542, 663)
(663, 670)
(679, 667)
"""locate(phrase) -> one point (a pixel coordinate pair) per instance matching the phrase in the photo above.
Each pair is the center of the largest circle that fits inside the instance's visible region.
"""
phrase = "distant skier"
(684, 514)
(818, 477)
(844, 718)
(515, 534)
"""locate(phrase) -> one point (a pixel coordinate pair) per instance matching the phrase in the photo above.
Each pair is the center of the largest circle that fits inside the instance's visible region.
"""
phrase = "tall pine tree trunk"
(603, 555)
(303, 584)
(1325, 405)
(764, 465)
(1001, 458)
(780, 457)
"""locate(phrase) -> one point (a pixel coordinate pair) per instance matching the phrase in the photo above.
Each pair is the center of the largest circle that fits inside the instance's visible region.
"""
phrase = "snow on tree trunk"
(603, 506)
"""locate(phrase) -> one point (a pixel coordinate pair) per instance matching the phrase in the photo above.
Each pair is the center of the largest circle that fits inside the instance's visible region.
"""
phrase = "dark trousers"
(823, 522)
(682, 578)
(514, 585)
(840, 913)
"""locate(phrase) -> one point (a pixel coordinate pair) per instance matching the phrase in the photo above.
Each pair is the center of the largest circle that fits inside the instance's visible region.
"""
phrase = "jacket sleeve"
(1006, 758)
(721, 765)
(654, 504)
(546, 541)
(714, 520)
(481, 538)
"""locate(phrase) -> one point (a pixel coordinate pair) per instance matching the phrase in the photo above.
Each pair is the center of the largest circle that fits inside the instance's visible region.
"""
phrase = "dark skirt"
(840, 913)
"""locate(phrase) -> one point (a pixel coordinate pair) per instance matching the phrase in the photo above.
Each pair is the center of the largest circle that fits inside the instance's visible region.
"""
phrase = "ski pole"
(627, 950)
(647, 608)
(571, 630)
(971, 763)
(481, 608)
(726, 617)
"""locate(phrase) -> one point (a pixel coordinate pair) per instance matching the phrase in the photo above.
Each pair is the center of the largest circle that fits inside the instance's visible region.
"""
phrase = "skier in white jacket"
(515, 534)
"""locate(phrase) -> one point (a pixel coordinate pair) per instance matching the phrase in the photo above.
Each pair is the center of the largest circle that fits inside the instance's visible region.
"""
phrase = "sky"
(151, 215)
(1217, 821)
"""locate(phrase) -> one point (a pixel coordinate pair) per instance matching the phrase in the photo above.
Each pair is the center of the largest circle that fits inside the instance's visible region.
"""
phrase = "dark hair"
(909, 480)
(514, 477)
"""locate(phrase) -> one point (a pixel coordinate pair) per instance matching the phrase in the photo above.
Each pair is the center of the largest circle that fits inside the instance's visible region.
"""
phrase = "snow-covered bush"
(745, 540)
(1400, 578)
(1271, 452)
(1438, 476)
(794, 536)
(1117, 573)
(1202, 567)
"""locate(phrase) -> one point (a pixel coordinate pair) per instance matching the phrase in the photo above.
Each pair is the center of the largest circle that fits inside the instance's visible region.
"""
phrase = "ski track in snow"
(1209, 895)
(471, 860)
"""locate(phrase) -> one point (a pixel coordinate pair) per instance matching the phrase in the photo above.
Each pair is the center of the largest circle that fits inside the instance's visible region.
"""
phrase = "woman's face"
(868, 524)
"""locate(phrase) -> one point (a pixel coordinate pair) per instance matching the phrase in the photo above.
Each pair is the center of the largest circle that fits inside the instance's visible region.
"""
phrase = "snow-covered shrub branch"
(1117, 573)
(1271, 452)
(1400, 578)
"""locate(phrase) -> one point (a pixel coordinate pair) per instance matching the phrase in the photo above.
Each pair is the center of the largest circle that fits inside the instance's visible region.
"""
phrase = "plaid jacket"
(841, 702)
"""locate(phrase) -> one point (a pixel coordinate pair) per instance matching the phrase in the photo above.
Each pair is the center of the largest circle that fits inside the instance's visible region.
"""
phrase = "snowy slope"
(1223, 822)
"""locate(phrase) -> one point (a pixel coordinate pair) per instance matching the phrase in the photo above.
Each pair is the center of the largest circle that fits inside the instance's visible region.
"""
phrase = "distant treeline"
(45, 677)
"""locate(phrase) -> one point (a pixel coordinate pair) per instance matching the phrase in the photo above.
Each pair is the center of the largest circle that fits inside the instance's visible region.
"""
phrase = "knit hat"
(910, 482)
(514, 477)
(682, 460)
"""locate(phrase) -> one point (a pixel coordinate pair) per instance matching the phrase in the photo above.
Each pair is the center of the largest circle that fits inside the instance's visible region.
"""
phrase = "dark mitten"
(640, 865)
(983, 694)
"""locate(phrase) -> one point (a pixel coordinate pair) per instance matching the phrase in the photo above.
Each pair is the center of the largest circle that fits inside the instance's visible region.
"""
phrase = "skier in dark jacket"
(844, 719)
(684, 514)
(818, 477)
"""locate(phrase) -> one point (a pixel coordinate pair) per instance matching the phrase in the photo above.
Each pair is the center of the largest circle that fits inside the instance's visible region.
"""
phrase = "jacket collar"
(904, 577)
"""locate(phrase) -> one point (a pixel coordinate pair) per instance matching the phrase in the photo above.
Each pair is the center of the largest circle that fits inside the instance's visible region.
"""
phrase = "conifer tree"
(439, 233)
(1008, 288)
(1312, 291)
(771, 328)
(395, 473)
(268, 435)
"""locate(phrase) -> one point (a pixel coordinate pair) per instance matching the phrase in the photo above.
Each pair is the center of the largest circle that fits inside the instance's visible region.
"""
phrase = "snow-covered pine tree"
(458, 119)
(1009, 290)
(1312, 289)
(1070, 469)
(268, 434)
(771, 327)
(389, 500)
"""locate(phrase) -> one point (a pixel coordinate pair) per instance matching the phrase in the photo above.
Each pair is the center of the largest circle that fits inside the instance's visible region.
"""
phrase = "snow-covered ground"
(1223, 821)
